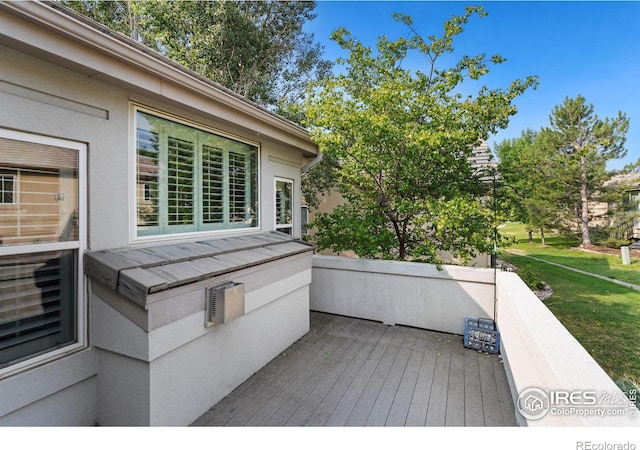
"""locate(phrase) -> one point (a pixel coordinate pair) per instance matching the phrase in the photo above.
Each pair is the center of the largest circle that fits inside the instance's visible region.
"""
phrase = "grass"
(602, 316)
(563, 250)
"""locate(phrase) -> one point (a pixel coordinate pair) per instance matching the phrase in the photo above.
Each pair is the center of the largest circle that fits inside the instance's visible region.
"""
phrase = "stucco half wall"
(398, 292)
(158, 364)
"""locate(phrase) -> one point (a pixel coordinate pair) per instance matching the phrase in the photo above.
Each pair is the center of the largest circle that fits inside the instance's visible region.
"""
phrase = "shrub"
(613, 243)
(631, 389)
(531, 278)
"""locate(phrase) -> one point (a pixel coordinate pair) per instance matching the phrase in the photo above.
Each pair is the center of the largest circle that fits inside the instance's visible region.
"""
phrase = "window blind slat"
(26, 329)
(237, 187)
(36, 302)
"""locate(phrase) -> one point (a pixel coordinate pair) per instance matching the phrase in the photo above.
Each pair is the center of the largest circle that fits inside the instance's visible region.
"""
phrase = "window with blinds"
(41, 238)
(191, 180)
(37, 307)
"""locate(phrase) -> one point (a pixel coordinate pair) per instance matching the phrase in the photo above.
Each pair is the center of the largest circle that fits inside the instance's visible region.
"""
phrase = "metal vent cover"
(223, 303)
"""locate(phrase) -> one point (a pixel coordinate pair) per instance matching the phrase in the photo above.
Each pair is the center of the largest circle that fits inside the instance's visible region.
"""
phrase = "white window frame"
(289, 226)
(4, 175)
(133, 212)
(80, 246)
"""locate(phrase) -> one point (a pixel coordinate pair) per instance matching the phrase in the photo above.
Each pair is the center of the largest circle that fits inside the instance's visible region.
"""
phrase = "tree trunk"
(584, 200)
(530, 236)
(542, 236)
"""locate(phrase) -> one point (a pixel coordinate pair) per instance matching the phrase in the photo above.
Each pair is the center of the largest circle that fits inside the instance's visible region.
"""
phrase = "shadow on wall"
(404, 293)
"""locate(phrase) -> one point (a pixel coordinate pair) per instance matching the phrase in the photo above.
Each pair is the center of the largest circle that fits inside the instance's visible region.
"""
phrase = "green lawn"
(603, 317)
(563, 250)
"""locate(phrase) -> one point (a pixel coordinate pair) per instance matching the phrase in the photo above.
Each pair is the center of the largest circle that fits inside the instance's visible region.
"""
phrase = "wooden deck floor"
(352, 372)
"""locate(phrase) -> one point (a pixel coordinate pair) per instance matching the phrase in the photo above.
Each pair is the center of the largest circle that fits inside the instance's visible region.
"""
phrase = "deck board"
(399, 408)
(354, 372)
(437, 411)
(349, 400)
(473, 409)
(382, 406)
(455, 390)
(333, 398)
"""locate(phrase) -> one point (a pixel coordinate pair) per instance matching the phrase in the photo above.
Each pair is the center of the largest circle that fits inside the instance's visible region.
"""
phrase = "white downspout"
(311, 164)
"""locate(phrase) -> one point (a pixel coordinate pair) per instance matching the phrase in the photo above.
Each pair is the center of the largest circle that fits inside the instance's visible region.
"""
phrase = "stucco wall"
(174, 372)
(59, 393)
(539, 352)
(42, 98)
(404, 293)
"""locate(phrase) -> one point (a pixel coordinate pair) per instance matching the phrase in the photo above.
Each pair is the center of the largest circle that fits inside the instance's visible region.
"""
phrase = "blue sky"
(587, 48)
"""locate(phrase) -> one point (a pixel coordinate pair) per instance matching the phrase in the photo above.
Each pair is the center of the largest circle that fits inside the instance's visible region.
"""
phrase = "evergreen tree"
(581, 144)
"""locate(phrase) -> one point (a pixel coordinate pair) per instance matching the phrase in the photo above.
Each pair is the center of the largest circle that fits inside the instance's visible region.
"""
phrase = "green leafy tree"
(257, 49)
(118, 15)
(581, 144)
(398, 144)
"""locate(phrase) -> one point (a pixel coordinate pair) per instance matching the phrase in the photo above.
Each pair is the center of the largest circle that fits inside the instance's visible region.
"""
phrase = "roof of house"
(632, 179)
(139, 272)
(56, 33)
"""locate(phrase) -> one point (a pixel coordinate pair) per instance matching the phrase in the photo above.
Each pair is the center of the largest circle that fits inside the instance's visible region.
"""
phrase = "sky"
(586, 48)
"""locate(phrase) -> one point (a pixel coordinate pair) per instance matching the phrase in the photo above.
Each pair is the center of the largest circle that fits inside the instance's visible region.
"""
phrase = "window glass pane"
(180, 181)
(39, 190)
(284, 191)
(304, 219)
(37, 303)
(212, 185)
(147, 177)
(7, 182)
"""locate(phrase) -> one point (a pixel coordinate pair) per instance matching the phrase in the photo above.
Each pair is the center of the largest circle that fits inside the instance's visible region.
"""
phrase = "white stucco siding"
(78, 402)
(185, 383)
(399, 292)
(37, 396)
(42, 98)
(63, 77)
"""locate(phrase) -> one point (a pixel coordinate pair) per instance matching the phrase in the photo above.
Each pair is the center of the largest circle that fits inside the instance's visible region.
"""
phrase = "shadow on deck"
(353, 372)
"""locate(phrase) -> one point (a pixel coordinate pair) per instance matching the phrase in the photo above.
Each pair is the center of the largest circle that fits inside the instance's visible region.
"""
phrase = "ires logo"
(574, 398)
(534, 403)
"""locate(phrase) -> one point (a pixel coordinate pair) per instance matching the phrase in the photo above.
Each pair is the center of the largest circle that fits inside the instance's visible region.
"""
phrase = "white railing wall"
(403, 293)
(539, 352)
(536, 349)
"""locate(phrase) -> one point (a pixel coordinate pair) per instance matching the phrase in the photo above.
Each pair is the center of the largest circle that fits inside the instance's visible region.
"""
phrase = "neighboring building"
(631, 205)
(141, 275)
(622, 220)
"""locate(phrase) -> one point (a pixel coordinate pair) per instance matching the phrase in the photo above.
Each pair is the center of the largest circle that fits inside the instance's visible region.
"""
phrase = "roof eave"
(133, 54)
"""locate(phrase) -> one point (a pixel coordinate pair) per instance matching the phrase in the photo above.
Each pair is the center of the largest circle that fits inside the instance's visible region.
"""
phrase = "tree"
(399, 142)
(257, 49)
(118, 15)
(581, 144)
(526, 193)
